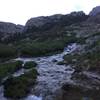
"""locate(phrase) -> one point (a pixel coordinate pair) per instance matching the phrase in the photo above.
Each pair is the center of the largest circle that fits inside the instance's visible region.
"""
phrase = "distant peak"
(95, 11)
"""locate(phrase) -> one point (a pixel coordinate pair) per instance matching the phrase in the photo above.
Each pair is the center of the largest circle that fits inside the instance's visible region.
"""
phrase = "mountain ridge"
(45, 25)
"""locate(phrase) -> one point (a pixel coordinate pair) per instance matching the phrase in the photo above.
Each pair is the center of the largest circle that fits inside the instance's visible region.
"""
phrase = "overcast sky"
(19, 11)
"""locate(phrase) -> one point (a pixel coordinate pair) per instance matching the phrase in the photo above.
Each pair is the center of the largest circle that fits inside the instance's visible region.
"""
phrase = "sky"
(19, 11)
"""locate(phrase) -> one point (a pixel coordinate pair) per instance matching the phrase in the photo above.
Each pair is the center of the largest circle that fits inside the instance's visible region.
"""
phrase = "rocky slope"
(39, 26)
(8, 30)
(86, 62)
(50, 21)
(52, 26)
(95, 11)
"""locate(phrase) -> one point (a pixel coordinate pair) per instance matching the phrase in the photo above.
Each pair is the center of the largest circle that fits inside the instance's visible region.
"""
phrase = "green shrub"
(71, 59)
(30, 64)
(7, 51)
(61, 63)
(84, 61)
(19, 87)
(9, 68)
(41, 48)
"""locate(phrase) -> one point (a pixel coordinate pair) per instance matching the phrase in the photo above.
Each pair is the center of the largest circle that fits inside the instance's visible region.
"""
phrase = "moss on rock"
(30, 64)
(19, 87)
(8, 68)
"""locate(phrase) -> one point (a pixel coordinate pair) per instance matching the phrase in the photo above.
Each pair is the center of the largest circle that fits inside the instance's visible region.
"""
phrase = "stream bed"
(51, 75)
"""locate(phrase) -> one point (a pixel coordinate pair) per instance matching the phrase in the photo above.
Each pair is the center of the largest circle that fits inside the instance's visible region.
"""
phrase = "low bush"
(84, 61)
(19, 87)
(30, 64)
(7, 51)
(61, 63)
(9, 68)
(41, 48)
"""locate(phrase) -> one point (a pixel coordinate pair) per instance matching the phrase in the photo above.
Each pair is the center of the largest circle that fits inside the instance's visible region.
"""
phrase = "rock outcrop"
(75, 22)
(94, 15)
(95, 11)
(8, 30)
(47, 22)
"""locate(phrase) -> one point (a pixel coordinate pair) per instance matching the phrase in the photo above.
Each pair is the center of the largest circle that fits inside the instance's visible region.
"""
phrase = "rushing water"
(51, 76)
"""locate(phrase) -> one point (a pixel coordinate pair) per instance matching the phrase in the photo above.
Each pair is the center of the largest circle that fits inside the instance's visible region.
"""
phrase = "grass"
(38, 47)
(84, 61)
(19, 87)
(9, 68)
(7, 51)
(89, 60)
(61, 63)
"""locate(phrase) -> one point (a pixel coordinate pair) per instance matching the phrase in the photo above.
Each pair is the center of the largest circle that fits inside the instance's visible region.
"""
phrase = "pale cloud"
(19, 11)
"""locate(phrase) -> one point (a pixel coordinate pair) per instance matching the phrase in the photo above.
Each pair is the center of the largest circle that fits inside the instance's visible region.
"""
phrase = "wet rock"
(68, 69)
(30, 64)
(66, 87)
(54, 60)
(52, 75)
(61, 63)
(77, 71)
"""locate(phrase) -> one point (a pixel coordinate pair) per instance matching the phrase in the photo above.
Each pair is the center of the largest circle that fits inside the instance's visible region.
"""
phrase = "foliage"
(9, 68)
(61, 63)
(19, 87)
(7, 51)
(84, 61)
(49, 41)
(30, 64)
(41, 48)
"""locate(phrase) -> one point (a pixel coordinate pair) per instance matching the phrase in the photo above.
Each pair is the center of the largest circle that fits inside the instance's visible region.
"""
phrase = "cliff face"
(45, 23)
(95, 11)
(94, 15)
(8, 30)
(41, 21)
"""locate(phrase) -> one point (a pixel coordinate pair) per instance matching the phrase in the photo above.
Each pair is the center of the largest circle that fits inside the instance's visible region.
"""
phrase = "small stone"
(54, 60)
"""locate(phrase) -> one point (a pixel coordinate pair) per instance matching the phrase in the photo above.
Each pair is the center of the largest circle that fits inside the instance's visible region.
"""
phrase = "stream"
(51, 76)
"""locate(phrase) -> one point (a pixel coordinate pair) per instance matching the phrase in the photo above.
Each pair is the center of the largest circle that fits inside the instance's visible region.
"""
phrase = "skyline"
(19, 11)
